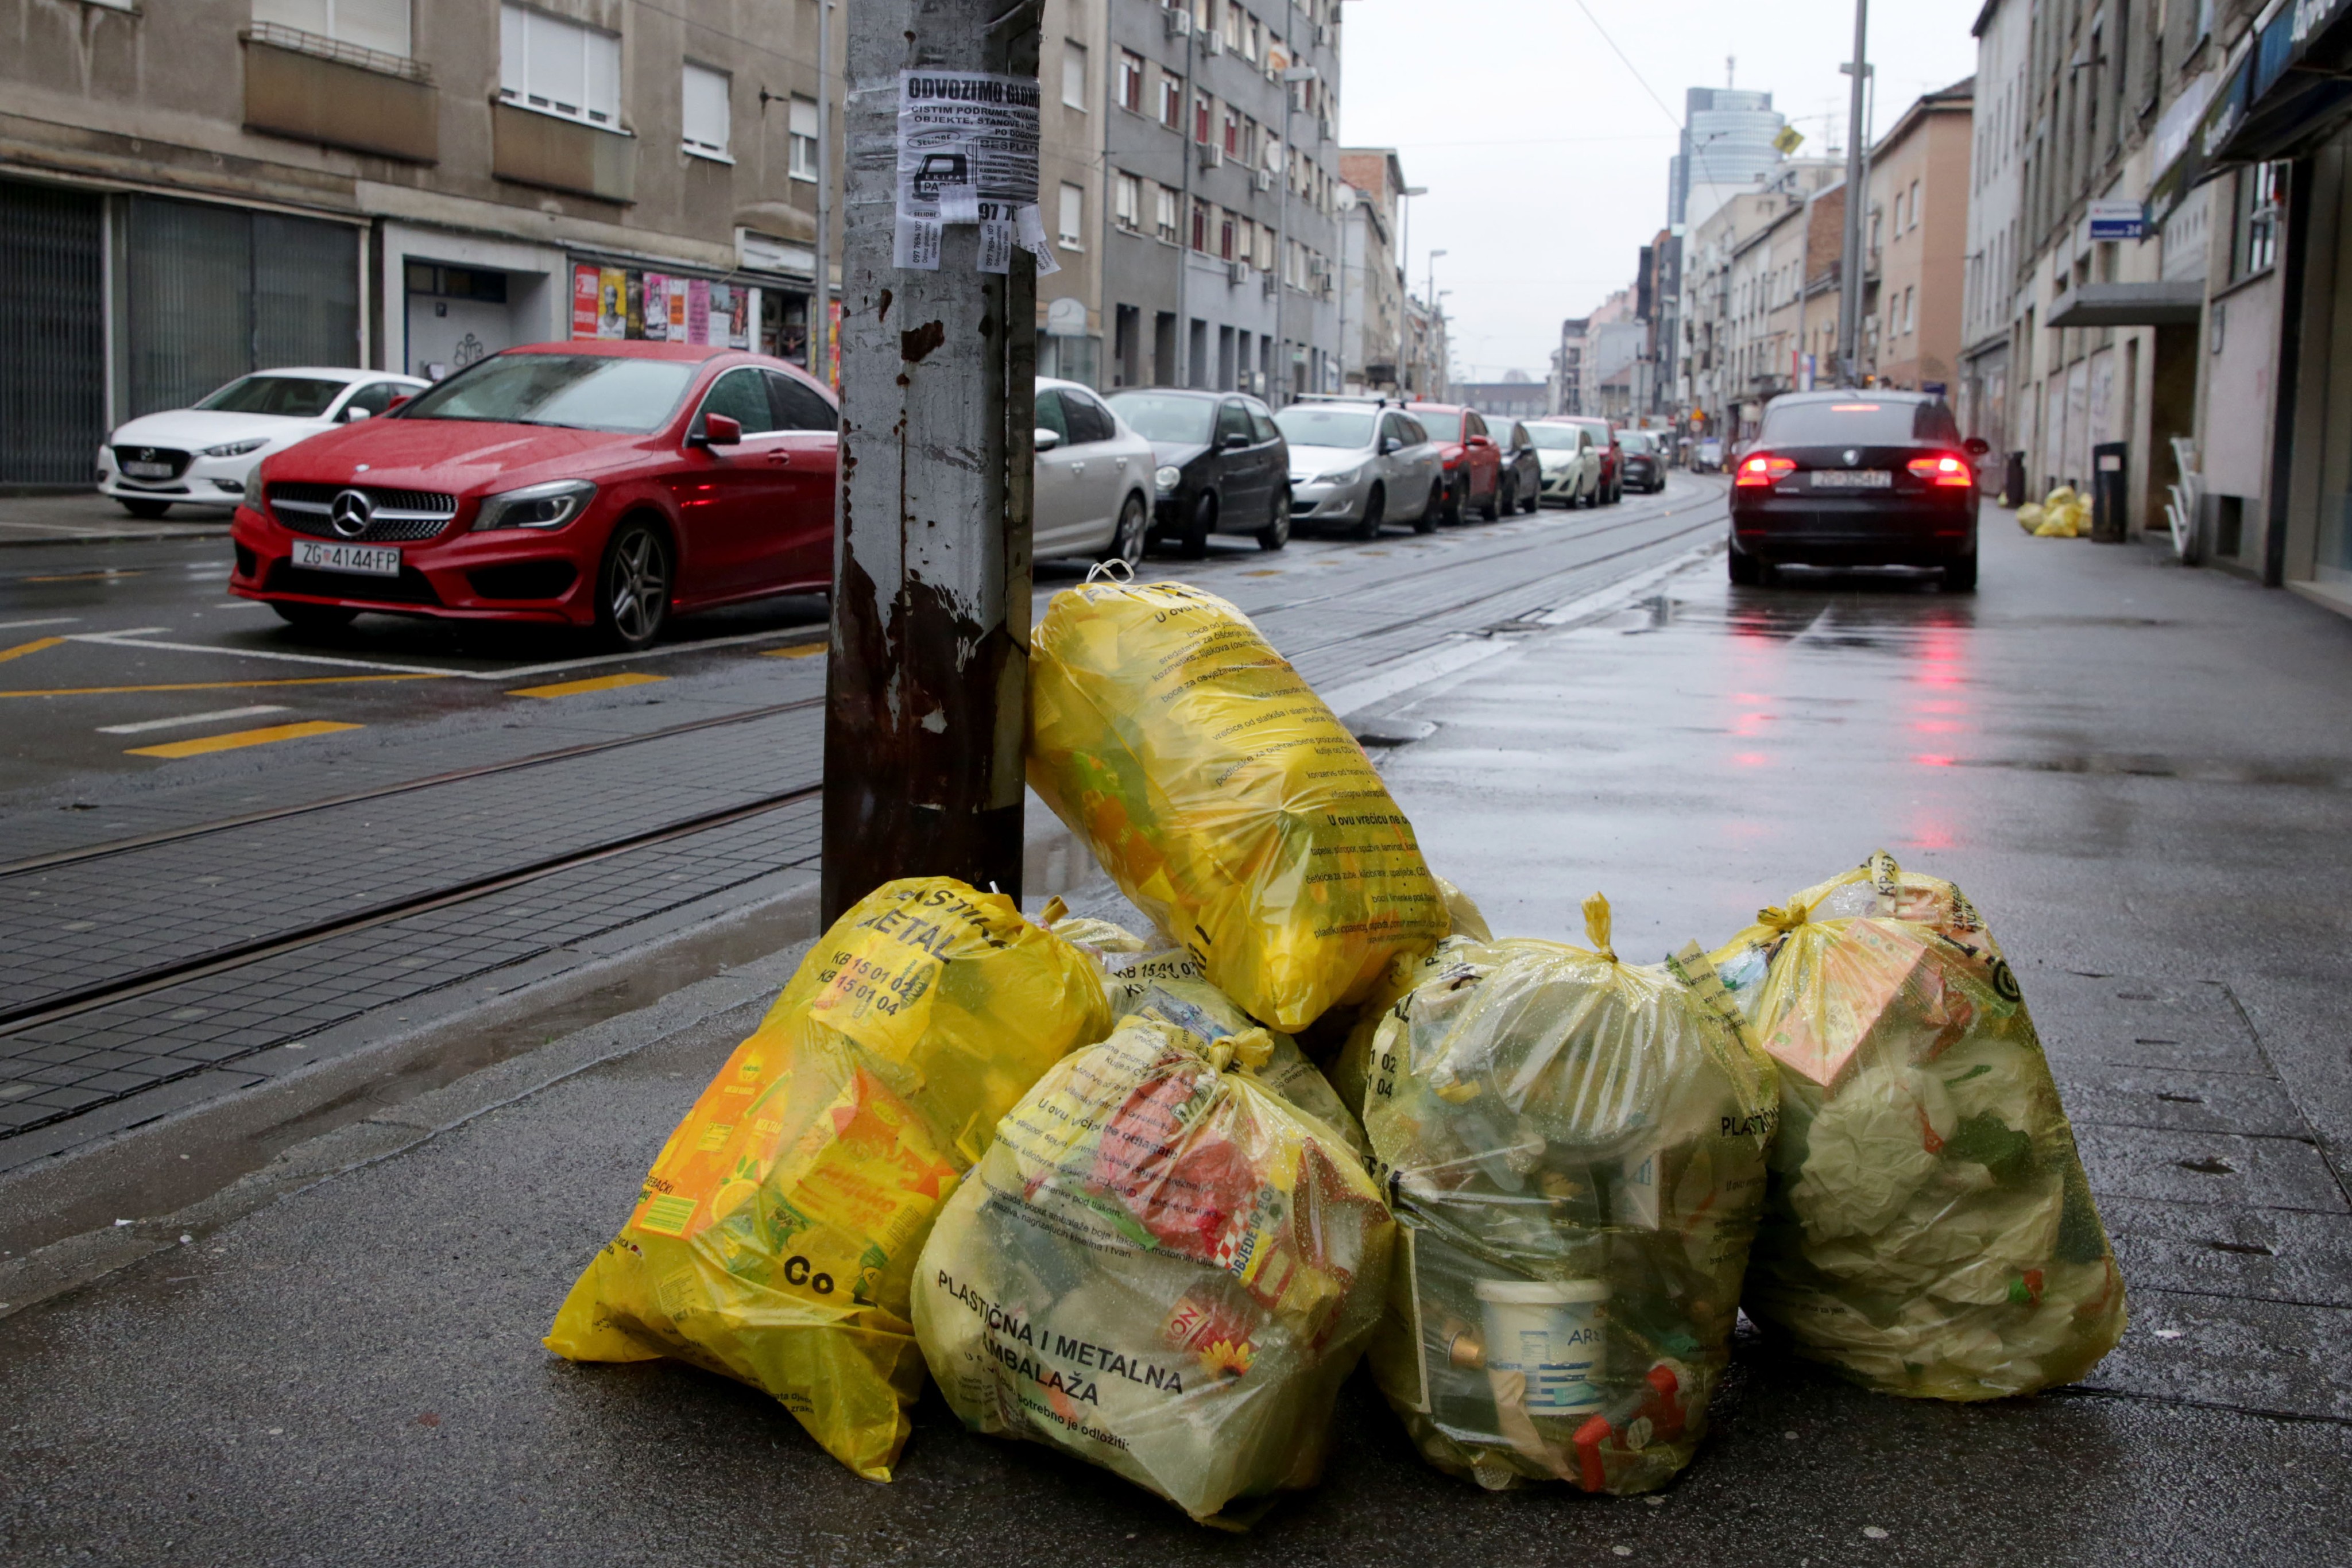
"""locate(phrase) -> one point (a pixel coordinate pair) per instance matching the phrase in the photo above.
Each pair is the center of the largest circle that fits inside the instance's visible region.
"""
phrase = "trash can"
(2012, 481)
(2110, 493)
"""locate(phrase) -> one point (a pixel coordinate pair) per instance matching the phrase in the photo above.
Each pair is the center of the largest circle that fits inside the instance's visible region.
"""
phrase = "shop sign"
(2119, 220)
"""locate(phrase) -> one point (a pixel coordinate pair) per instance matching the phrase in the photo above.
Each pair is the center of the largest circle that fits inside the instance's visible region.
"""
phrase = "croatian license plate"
(148, 470)
(1852, 479)
(367, 561)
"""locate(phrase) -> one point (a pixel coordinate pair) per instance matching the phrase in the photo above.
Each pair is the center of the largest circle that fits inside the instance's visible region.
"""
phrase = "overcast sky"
(1546, 160)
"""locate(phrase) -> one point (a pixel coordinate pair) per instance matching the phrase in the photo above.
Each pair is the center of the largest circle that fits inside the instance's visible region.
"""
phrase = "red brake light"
(1763, 468)
(1945, 471)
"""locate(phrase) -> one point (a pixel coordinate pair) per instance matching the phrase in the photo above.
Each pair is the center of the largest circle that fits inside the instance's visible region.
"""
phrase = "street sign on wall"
(2119, 220)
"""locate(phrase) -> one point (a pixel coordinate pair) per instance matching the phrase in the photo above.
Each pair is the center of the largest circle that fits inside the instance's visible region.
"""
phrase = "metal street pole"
(820, 350)
(1856, 199)
(927, 684)
(1404, 277)
(1185, 128)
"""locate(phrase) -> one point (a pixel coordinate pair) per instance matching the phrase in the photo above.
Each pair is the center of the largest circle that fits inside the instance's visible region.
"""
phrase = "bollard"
(2110, 493)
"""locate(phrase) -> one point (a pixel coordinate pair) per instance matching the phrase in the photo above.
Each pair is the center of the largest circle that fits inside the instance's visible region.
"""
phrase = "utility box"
(2110, 493)
(2012, 481)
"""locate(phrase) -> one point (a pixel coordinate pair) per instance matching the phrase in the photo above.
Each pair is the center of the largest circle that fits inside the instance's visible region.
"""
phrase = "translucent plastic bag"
(1224, 798)
(1160, 1268)
(1575, 1148)
(774, 1239)
(1168, 985)
(1931, 1231)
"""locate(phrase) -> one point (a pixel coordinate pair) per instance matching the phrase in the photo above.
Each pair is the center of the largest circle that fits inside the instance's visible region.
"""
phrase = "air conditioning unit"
(1323, 34)
(1238, 271)
(1272, 284)
(1179, 22)
(1213, 154)
(1263, 179)
(1211, 43)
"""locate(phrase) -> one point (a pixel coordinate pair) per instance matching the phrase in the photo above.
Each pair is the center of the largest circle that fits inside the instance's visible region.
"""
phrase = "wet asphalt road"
(2139, 774)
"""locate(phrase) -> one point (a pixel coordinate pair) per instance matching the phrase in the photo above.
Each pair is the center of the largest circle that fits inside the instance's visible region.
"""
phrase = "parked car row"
(611, 485)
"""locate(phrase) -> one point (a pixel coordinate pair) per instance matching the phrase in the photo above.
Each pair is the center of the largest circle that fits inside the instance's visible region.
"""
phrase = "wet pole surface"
(2137, 772)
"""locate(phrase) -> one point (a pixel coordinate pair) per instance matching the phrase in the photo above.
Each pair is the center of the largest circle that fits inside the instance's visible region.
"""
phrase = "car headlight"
(1346, 475)
(1167, 479)
(235, 448)
(548, 506)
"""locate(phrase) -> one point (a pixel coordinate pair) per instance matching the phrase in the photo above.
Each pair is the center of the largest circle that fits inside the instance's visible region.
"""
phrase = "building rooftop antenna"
(1730, 69)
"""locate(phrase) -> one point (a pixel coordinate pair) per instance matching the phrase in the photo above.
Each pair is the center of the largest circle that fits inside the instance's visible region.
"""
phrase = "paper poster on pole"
(966, 153)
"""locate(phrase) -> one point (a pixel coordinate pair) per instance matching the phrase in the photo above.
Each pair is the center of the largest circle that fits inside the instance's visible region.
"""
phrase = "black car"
(1645, 467)
(1520, 488)
(1857, 478)
(1224, 468)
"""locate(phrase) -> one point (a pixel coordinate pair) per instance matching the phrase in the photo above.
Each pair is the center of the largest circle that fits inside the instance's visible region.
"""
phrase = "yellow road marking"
(215, 686)
(797, 651)
(83, 576)
(34, 647)
(594, 683)
(240, 737)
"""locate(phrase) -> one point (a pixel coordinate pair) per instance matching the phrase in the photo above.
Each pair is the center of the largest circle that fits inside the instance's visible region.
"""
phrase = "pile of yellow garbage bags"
(2064, 514)
(1095, 1181)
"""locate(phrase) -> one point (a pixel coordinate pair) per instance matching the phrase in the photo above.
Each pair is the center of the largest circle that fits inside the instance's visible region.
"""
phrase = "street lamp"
(1433, 276)
(1404, 257)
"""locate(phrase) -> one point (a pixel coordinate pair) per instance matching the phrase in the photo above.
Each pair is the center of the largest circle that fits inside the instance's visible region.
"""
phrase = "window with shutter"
(559, 68)
(703, 116)
(1074, 74)
(379, 24)
(804, 133)
(1074, 215)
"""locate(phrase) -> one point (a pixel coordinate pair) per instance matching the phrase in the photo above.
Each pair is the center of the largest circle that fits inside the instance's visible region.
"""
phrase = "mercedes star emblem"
(350, 512)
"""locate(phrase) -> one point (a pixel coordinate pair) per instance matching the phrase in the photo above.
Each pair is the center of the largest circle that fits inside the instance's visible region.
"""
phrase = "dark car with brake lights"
(605, 485)
(1223, 467)
(1521, 489)
(1857, 478)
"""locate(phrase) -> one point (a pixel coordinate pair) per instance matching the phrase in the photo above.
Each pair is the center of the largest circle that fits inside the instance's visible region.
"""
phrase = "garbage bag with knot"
(1930, 1231)
(774, 1239)
(1224, 798)
(1162, 1267)
(1575, 1148)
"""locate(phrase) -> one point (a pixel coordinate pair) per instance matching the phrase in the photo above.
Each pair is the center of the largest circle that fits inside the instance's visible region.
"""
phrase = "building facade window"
(1126, 203)
(1164, 214)
(1073, 75)
(1199, 226)
(1171, 100)
(1073, 216)
(559, 68)
(704, 118)
(379, 24)
(2254, 241)
(1201, 114)
(803, 134)
(1130, 82)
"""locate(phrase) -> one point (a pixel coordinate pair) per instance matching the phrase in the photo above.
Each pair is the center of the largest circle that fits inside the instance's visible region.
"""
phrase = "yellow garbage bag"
(1575, 1148)
(774, 1240)
(2031, 514)
(1160, 1268)
(1224, 798)
(1169, 985)
(1929, 1231)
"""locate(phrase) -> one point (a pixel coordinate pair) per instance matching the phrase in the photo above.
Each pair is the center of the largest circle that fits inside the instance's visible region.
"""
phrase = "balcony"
(545, 150)
(310, 89)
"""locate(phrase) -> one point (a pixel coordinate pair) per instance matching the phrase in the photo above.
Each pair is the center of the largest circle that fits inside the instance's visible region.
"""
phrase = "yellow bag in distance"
(774, 1239)
(1224, 798)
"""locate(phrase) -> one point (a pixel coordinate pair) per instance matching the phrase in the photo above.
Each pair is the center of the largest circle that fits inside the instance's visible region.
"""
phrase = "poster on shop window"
(616, 303)
(966, 153)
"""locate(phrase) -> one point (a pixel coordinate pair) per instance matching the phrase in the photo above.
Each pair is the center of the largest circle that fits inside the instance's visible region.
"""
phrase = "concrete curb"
(357, 1094)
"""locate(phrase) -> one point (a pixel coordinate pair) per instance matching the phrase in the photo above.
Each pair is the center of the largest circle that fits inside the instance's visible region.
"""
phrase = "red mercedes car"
(1473, 464)
(605, 485)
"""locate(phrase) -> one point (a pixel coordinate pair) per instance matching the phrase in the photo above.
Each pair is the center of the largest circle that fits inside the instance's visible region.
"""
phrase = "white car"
(1571, 463)
(1094, 478)
(203, 455)
(1362, 464)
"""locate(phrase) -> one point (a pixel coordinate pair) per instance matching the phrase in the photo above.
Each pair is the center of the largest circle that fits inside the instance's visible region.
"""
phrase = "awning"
(2224, 112)
(2298, 91)
(2173, 304)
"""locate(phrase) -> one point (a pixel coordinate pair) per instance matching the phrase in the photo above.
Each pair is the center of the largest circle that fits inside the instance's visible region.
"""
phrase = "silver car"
(1094, 478)
(1571, 463)
(1361, 464)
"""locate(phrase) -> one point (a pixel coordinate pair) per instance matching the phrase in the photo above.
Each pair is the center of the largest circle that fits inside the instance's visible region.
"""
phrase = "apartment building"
(1372, 278)
(1727, 279)
(189, 192)
(1996, 169)
(1220, 255)
(1073, 75)
(1916, 242)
